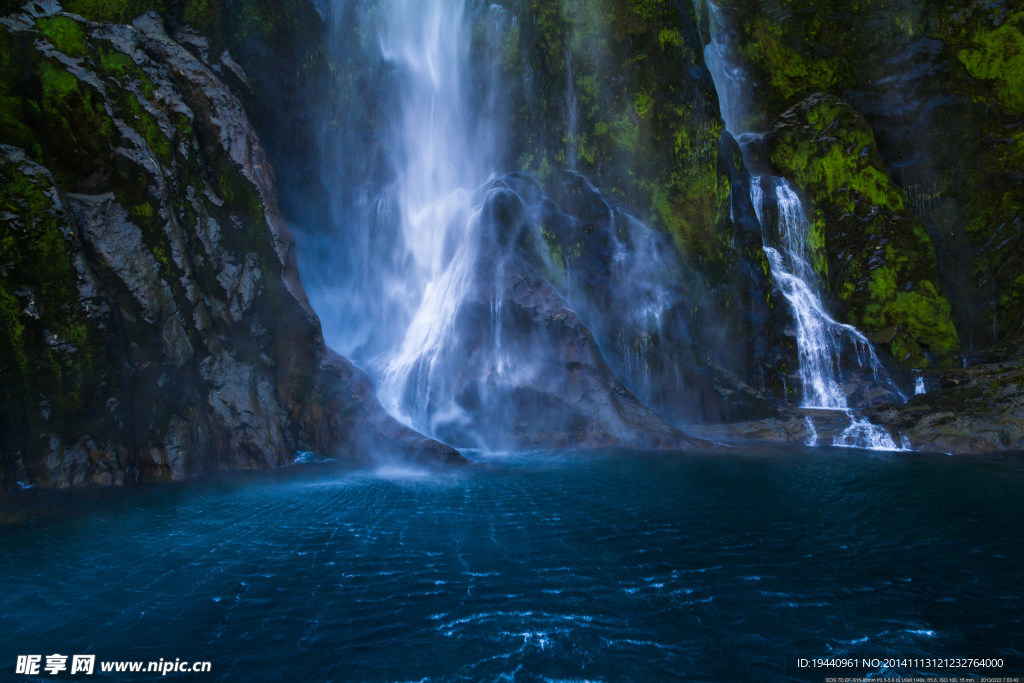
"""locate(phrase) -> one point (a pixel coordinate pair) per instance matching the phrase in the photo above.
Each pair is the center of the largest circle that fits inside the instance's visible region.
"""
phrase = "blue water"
(726, 566)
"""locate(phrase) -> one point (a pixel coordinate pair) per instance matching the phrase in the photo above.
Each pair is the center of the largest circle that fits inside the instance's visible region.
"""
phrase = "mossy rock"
(616, 92)
(873, 254)
(54, 356)
(115, 11)
(995, 53)
(941, 86)
(122, 217)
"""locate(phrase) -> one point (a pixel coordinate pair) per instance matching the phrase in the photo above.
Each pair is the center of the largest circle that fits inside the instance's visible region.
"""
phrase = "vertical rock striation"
(153, 322)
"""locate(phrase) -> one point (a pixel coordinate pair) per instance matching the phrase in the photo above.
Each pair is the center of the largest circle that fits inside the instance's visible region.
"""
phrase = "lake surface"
(725, 566)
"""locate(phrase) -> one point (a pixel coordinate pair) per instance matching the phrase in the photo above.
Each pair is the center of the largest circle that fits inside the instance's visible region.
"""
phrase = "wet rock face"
(951, 137)
(977, 409)
(154, 326)
(575, 319)
(658, 318)
(874, 255)
(617, 90)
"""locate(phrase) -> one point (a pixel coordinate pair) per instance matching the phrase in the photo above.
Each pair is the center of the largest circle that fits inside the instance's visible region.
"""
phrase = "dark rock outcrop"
(975, 409)
(514, 364)
(154, 325)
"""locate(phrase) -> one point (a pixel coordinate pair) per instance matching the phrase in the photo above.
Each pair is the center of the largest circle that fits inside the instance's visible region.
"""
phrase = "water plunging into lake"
(432, 243)
(427, 236)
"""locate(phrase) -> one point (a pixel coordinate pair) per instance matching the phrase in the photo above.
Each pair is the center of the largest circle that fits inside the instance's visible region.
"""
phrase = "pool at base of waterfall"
(726, 565)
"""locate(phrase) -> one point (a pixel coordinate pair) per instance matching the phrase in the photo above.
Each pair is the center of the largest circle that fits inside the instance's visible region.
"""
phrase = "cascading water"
(825, 346)
(406, 239)
(439, 245)
(473, 299)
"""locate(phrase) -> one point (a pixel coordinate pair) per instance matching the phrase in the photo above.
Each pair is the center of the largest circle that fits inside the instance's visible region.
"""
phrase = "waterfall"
(413, 132)
(825, 346)
(431, 236)
(445, 277)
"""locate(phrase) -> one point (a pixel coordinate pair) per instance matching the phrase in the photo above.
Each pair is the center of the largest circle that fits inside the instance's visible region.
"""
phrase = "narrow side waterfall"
(825, 346)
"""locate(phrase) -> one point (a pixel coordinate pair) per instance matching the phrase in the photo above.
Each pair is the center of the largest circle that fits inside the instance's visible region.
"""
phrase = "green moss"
(14, 111)
(556, 257)
(58, 85)
(837, 157)
(790, 73)
(816, 244)
(240, 196)
(147, 126)
(15, 358)
(1011, 300)
(118, 11)
(203, 14)
(120, 66)
(645, 129)
(997, 55)
(79, 132)
(49, 347)
(65, 33)
(874, 256)
(926, 315)
(258, 19)
(881, 287)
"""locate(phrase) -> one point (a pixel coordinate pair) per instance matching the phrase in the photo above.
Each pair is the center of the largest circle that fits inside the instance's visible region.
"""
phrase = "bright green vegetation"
(875, 257)
(120, 66)
(65, 34)
(644, 129)
(790, 73)
(996, 54)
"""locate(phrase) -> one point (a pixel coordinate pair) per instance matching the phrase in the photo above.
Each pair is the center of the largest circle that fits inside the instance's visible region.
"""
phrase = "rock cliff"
(154, 324)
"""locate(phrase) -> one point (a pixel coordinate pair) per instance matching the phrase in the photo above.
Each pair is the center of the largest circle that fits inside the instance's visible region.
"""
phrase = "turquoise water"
(725, 566)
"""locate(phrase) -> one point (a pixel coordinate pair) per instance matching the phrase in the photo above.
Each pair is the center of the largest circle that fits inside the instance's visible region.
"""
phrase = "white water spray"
(439, 135)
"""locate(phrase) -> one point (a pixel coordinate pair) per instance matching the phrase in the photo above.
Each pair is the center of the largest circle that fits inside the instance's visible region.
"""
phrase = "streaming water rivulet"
(827, 348)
